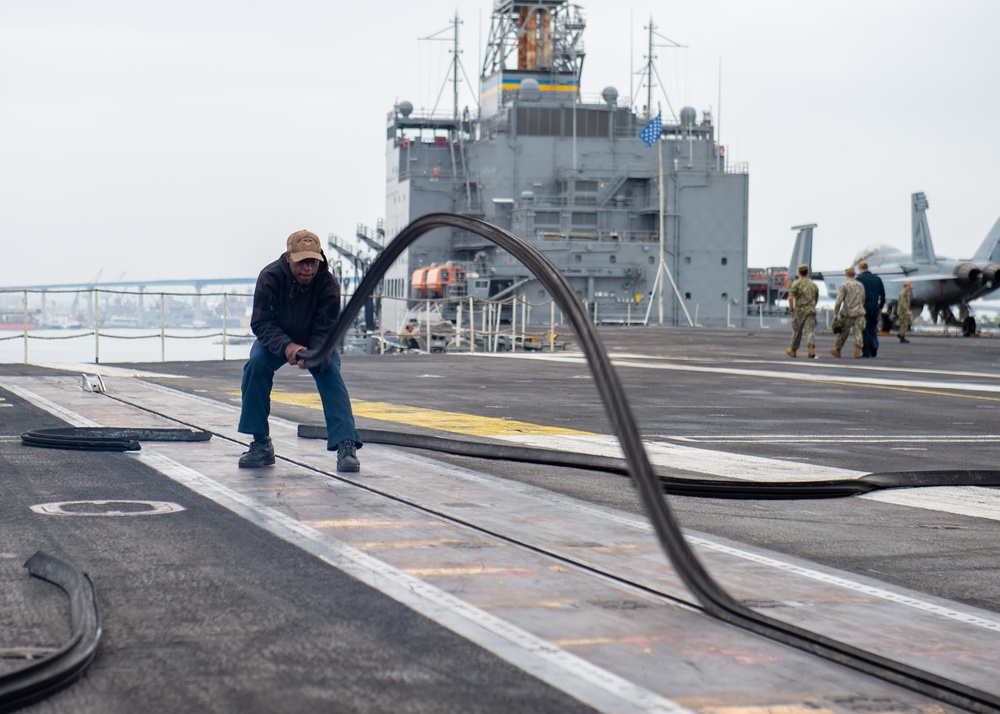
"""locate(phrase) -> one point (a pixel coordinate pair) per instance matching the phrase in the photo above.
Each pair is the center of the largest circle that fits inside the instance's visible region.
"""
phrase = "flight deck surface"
(434, 582)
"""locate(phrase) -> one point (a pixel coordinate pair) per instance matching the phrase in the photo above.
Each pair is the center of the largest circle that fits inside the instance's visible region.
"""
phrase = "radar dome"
(688, 116)
(610, 95)
(529, 91)
(405, 108)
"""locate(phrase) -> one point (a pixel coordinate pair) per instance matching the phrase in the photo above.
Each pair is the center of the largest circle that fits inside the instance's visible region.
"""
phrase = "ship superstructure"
(574, 178)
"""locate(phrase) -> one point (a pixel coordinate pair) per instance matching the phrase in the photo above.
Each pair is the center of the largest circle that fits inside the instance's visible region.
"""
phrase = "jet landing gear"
(965, 320)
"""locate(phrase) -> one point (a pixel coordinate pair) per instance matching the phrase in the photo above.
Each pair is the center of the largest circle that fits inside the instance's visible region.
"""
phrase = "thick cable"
(46, 676)
(675, 485)
(713, 598)
(106, 438)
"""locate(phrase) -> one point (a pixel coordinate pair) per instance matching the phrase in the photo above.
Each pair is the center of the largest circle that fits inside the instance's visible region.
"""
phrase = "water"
(122, 345)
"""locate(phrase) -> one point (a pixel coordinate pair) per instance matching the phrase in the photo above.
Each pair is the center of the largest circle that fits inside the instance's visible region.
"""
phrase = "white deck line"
(620, 362)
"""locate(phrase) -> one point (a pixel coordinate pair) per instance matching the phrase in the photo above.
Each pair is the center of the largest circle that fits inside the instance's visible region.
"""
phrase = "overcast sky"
(163, 140)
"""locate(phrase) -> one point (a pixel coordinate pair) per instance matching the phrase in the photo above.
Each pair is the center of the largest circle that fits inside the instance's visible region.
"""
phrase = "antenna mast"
(455, 65)
(650, 68)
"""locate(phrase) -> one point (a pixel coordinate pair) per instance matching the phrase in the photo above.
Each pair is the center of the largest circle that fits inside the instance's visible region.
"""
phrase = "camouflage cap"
(803, 268)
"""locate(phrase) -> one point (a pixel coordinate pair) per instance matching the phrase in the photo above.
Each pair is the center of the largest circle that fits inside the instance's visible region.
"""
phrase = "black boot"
(903, 339)
(347, 459)
(261, 453)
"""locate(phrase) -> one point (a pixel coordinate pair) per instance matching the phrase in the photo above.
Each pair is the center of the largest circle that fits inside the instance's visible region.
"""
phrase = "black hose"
(106, 438)
(674, 485)
(713, 598)
(46, 676)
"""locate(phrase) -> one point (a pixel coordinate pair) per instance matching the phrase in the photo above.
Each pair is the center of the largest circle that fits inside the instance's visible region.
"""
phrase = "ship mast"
(455, 65)
(649, 70)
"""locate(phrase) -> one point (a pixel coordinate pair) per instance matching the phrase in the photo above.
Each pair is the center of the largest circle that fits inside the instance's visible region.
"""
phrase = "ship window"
(725, 260)
(652, 260)
(687, 296)
(550, 218)
(687, 260)
(584, 219)
(577, 258)
(590, 186)
(541, 294)
(612, 259)
(725, 296)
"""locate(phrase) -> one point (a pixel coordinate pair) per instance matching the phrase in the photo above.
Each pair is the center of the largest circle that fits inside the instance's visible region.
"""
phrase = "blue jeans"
(258, 378)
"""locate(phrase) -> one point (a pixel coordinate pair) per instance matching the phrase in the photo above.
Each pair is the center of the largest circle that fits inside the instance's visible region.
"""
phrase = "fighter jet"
(938, 283)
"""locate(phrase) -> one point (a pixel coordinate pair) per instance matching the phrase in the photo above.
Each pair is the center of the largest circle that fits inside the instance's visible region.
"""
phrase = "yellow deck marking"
(453, 422)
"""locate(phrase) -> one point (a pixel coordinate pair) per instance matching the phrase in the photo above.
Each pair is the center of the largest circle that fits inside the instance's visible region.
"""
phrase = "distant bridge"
(197, 283)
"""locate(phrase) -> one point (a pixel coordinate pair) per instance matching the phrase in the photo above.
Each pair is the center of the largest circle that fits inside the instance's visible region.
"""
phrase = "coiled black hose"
(46, 676)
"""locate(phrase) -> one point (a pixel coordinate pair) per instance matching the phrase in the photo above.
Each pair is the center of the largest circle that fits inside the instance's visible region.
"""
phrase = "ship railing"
(468, 324)
(473, 324)
(548, 235)
(621, 102)
(764, 313)
(626, 313)
(431, 173)
(124, 325)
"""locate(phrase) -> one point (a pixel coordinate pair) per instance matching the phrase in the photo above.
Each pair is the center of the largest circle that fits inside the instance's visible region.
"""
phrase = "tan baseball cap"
(303, 245)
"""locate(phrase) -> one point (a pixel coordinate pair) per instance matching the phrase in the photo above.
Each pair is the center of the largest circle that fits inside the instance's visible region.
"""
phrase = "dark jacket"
(874, 290)
(286, 312)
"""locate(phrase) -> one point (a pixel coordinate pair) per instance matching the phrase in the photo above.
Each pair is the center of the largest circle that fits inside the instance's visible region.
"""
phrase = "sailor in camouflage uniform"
(903, 311)
(851, 297)
(802, 298)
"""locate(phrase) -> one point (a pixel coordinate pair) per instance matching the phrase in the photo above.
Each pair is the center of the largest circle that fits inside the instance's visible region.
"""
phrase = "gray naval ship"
(576, 180)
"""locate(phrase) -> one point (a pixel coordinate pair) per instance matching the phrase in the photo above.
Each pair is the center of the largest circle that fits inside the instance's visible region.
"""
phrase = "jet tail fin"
(802, 251)
(923, 249)
(989, 249)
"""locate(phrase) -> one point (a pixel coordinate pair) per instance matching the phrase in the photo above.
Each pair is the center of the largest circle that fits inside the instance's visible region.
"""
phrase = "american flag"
(653, 130)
